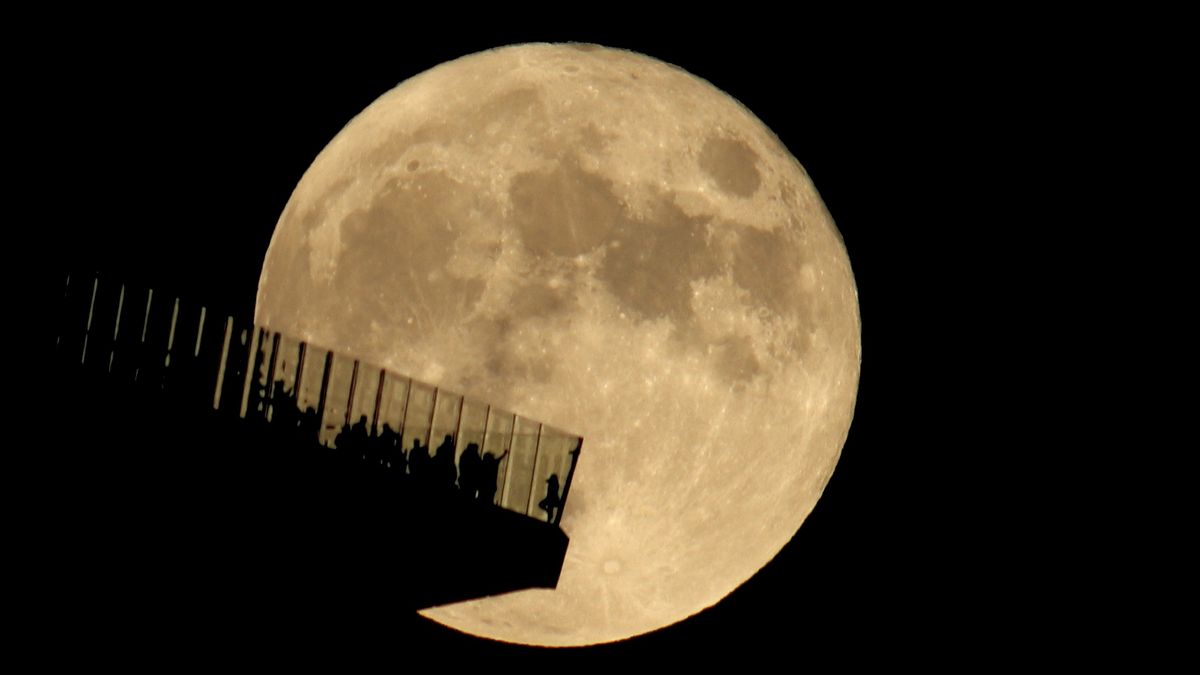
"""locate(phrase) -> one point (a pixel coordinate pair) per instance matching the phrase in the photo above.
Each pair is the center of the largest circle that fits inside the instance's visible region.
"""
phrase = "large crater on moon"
(604, 242)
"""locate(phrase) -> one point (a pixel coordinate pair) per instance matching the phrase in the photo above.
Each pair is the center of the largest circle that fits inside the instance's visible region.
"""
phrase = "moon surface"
(608, 244)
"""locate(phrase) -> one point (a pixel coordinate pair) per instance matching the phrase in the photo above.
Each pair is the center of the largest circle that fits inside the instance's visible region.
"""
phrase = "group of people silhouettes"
(475, 478)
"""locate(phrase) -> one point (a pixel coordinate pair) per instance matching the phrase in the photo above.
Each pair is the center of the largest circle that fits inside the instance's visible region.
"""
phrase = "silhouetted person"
(348, 447)
(443, 464)
(419, 462)
(351, 441)
(551, 502)
(342, 440)
(360, 437)
(388, 451)
(489, 467)
(468, 471)
(373, 449)
(308, 429)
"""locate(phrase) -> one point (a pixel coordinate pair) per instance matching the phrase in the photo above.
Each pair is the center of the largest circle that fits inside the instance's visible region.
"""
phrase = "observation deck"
(200, 455)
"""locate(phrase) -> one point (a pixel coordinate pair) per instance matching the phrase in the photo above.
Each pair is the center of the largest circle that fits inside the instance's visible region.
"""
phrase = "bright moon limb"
(596, 239)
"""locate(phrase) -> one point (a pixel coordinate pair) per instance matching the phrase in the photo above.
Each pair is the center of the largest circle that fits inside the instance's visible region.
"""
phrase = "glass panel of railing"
(259, 375)
(554, 462)
(446, 412)
(444, 467)
(496, 445)
(417, 419)
(308, 399)
(367, 392)
(393, 402)
(469, 444)
(284, 391)
(337, 399)
(523, 453)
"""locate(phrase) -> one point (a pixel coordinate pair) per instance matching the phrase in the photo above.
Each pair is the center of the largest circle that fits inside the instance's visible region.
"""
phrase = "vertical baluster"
(249, 377)
(171, 334)
(269, 390)
(116, 327)
(88, 328)
(199, 333)
(300, 358)
(141, 345)
(533, 470)
(221, 366)
(404, 413)
(350, 396)
(378, 403)
(324, 386)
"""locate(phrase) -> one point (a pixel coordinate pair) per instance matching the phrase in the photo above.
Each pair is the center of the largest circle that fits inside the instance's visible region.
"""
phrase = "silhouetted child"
(551, 502)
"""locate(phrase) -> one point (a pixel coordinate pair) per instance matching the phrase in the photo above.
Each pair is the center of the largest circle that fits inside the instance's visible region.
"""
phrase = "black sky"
(174, 156)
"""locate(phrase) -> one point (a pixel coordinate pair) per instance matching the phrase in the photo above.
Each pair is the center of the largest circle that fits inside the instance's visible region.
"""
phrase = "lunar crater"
(563, 212)
(732, 165)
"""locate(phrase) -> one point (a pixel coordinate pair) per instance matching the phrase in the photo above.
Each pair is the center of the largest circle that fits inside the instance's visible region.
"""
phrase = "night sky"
(172, 158)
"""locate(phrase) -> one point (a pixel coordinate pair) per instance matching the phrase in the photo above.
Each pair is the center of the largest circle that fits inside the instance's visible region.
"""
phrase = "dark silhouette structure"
(241, 467)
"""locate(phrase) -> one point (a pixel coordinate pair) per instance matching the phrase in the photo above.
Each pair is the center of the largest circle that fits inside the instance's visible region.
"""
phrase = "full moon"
(606, 243)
